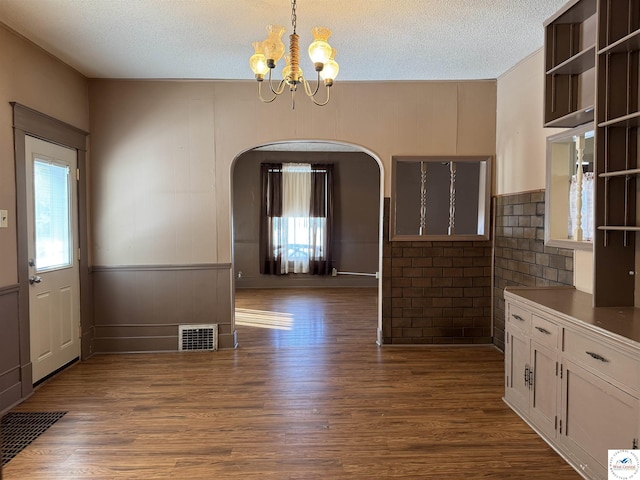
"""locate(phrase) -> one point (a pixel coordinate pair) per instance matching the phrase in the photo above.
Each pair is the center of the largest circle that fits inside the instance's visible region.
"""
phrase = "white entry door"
(54, 292)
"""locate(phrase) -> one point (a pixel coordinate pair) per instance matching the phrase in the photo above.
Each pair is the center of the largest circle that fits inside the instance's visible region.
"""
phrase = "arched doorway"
(357, 227)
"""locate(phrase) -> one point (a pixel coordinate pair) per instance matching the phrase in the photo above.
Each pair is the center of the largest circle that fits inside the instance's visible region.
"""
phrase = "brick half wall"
(521, 257)
(435, 292)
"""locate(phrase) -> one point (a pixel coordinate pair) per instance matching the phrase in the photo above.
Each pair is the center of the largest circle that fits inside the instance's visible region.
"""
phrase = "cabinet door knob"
(543, 330)
(597, 357)
(517, 317)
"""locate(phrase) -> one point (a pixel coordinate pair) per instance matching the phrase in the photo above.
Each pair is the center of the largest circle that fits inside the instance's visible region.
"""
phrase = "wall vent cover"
(197, 338)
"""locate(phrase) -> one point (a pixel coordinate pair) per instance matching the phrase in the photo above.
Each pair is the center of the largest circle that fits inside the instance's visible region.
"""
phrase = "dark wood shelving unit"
(570, 53)
(618, 119)
(592, 58)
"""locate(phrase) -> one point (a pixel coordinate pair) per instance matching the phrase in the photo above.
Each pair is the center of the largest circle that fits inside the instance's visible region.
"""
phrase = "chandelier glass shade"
(268, 52)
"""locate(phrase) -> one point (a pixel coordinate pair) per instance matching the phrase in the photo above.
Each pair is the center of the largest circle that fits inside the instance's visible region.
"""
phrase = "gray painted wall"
(356, 220)
(139, 309)
(10, 365)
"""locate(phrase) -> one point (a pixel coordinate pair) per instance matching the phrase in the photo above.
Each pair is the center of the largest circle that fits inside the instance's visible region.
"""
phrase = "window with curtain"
(295, 223)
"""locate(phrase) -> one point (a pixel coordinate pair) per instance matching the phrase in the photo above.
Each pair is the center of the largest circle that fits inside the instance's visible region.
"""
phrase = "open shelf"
(619, 228)
(631, 120)
(574, 12)
(618, 25)
(620, 173)
(629, 43)
(573, 119)
(570, 59)
(579, 63)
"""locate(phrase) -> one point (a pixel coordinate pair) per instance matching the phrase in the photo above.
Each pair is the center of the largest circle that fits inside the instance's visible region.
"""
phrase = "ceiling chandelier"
(268, 52)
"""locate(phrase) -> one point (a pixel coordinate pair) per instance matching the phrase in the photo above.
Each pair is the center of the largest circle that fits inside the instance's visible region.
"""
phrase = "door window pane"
(52, 215)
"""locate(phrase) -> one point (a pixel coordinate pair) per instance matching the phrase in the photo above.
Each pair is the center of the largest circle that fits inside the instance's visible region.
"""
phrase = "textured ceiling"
(211, 39)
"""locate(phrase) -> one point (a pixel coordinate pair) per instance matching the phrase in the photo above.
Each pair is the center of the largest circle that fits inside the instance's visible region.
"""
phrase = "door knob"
(34, 279)
(32, 262)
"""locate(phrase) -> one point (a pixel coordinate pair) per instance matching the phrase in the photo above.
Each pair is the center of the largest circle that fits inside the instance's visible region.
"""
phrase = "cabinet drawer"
(544, 331)
(603, 358)
(519, 317)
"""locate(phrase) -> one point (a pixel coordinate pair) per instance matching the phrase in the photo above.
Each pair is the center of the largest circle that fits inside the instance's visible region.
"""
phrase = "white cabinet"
(531, 367)
(518, 358)
(543, 406)
(577, 384)
(595, 417)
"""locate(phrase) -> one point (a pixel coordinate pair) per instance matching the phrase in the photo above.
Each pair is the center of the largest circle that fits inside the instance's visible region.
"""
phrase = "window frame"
(484, 199)
(551, 238)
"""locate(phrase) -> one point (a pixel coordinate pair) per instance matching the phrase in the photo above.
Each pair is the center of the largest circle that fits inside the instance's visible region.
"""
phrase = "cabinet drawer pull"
(517, 317)
(597, 357)
(543, 330)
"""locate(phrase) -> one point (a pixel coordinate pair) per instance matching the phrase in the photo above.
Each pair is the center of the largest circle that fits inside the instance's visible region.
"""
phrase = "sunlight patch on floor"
(264, 319)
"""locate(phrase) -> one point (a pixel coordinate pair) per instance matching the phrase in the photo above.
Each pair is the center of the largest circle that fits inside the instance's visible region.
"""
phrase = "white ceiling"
(211, 39)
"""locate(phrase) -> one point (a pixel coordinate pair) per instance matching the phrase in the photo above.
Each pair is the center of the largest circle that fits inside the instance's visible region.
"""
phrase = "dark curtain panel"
(270, 211)
(322, 207)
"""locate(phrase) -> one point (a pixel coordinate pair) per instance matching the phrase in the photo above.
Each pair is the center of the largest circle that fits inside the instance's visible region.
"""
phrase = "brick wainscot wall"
(435, 292)
(521, 257)
(440, 292)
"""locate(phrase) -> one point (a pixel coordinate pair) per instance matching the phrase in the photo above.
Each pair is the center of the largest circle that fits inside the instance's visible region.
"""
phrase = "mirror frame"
(484, 198)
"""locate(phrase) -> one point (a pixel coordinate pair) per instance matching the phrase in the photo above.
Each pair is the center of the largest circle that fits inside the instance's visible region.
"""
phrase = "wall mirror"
(440, 198)
(570, 189)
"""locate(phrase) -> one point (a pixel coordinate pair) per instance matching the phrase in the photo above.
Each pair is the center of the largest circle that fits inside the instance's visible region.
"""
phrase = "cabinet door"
(517, 390)
(544, 394)
(596, 417)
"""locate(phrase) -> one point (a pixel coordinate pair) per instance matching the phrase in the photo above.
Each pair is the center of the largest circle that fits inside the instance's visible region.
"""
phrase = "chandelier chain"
(294, 18)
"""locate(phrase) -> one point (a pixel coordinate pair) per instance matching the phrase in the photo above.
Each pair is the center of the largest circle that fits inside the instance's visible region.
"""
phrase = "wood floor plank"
(307, 395)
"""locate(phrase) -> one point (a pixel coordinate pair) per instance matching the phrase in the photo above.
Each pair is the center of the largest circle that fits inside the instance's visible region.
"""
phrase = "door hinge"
(77, 174)
(560, 371)
(560, 426)
(555, 423)
(556, 369)
(78, 254)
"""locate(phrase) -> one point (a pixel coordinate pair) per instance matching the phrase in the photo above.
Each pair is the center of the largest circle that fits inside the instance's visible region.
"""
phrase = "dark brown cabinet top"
(622, 323)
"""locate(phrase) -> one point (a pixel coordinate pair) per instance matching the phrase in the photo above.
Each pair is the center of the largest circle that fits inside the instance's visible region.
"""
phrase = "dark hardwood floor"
(308, 395)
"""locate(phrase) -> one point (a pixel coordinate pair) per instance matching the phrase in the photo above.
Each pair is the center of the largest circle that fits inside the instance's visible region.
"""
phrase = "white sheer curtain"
(588, 182)
(296, 201)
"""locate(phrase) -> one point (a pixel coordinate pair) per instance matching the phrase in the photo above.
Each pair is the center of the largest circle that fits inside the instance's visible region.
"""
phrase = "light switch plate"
(4, 218)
